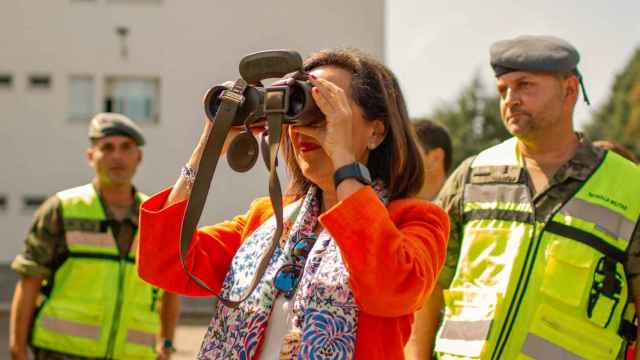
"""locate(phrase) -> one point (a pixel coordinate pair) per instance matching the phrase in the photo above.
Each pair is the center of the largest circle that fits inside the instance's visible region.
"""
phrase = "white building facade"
(61, 61)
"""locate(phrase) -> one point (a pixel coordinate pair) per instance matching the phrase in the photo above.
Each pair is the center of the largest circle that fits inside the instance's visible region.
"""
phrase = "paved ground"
(188, 337)
(193, 324)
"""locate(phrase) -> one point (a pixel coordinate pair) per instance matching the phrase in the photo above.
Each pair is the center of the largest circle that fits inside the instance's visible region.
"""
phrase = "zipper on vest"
(518, 293)
(115, 324)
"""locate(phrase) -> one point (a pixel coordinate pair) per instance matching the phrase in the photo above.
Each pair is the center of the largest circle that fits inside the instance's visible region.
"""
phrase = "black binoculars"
(298, 106)
(244, 104)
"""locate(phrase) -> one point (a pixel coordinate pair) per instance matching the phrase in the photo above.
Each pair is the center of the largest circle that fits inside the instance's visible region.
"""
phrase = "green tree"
(473, 120)
(619, 118)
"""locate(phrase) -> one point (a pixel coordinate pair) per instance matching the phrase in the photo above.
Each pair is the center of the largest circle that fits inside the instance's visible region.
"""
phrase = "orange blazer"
(393, 255)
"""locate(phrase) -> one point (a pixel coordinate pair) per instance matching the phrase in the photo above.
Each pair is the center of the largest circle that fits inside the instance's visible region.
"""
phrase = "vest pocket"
(569, 271)
(467, 322)
(81, 313)
(556, 335)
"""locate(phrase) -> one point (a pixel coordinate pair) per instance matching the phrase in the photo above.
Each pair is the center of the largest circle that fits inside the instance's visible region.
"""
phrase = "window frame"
(108, 85)
(94, 105)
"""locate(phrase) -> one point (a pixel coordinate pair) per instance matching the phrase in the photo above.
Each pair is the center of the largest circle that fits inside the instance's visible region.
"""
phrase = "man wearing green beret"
(80, 296)
(544, 245)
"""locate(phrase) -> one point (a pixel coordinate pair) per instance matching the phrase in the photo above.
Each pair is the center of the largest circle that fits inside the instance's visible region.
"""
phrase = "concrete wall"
(188, 45)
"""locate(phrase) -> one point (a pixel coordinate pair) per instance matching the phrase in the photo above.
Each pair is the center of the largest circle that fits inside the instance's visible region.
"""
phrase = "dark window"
(39, 81)
(108, 104)
(32, 202)
(6, 81)
(135, 97)
(3, 202)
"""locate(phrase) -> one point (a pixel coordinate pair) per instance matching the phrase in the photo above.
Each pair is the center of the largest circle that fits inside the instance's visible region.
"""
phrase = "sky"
(436, 47)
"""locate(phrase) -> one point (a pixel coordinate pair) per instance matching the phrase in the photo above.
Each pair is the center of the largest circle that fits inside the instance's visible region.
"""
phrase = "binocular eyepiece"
(298, 106)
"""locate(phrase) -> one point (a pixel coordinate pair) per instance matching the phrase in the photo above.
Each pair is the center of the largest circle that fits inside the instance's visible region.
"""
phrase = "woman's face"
(310, 156)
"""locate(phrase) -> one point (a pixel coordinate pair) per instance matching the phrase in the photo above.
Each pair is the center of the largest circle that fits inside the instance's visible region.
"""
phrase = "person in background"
(359, 253)
(80, 296)
(617, 148)
(437, 154)
(546, 225)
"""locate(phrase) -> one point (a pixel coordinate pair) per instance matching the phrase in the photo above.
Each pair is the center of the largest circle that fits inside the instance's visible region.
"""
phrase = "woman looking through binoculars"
(358, 254)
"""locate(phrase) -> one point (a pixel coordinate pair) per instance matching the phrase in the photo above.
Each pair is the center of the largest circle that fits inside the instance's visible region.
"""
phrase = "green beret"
(533, 53)
(107, 124)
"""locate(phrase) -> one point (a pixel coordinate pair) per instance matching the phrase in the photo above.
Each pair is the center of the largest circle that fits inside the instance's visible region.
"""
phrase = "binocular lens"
(212, 101)
(297, 101)
(251, 112)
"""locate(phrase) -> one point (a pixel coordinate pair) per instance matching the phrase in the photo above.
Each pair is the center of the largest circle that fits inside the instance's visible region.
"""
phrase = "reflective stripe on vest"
(92, 332)
(570, 271)
(500, 193)
(607, 220)
(70, 327)
(540, 348)
(466, 330)
(103, 240)
(141, 337)
(98, 306)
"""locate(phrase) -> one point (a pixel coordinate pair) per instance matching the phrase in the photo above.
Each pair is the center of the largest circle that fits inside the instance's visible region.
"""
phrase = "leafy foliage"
(473, 121)
(619, 118)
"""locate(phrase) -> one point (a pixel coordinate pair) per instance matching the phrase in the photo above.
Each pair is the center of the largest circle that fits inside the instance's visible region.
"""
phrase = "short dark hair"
(374, 88)
(432, 136)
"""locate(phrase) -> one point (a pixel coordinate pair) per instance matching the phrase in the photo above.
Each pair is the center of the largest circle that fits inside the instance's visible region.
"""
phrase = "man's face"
(115, 159)
(531, 104)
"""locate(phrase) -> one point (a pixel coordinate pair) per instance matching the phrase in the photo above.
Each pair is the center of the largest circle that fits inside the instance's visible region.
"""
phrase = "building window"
(32, 202)
(81, 97)
(134, 97)
(6, 81)
(39, 81)
(4, 203)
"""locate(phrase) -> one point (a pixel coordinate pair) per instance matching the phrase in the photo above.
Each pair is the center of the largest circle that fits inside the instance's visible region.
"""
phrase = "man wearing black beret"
(544, 245)
(80, 296)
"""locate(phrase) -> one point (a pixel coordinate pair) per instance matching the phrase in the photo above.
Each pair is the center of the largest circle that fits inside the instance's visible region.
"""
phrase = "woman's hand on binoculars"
(181, 190)
(335, 136)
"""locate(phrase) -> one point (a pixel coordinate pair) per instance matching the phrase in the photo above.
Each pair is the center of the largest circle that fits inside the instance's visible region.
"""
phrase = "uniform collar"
(132, 216)
(583, 163)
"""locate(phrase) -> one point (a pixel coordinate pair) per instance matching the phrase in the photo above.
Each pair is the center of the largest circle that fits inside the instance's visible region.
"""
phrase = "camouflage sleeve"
(44, 242)
(632, 267)
(450, 199)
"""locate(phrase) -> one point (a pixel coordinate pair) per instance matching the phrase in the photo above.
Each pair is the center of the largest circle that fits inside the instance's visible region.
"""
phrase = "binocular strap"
(230, 102)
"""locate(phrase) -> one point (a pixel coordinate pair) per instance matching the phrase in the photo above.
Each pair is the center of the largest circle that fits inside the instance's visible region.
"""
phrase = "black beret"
(533, 53)
(107, 124)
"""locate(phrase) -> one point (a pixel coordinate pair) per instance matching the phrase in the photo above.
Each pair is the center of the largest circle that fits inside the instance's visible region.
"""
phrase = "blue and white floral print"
(325, 312)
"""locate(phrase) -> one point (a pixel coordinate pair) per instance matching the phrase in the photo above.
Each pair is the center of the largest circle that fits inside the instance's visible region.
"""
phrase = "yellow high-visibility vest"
(527, 287)
(98, 306)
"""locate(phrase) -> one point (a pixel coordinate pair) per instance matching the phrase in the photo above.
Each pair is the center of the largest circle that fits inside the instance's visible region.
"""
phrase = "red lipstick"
(308, 146)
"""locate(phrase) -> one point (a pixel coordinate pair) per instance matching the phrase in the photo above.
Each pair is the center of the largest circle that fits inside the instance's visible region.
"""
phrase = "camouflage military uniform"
(46, 249)
(564, 183)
